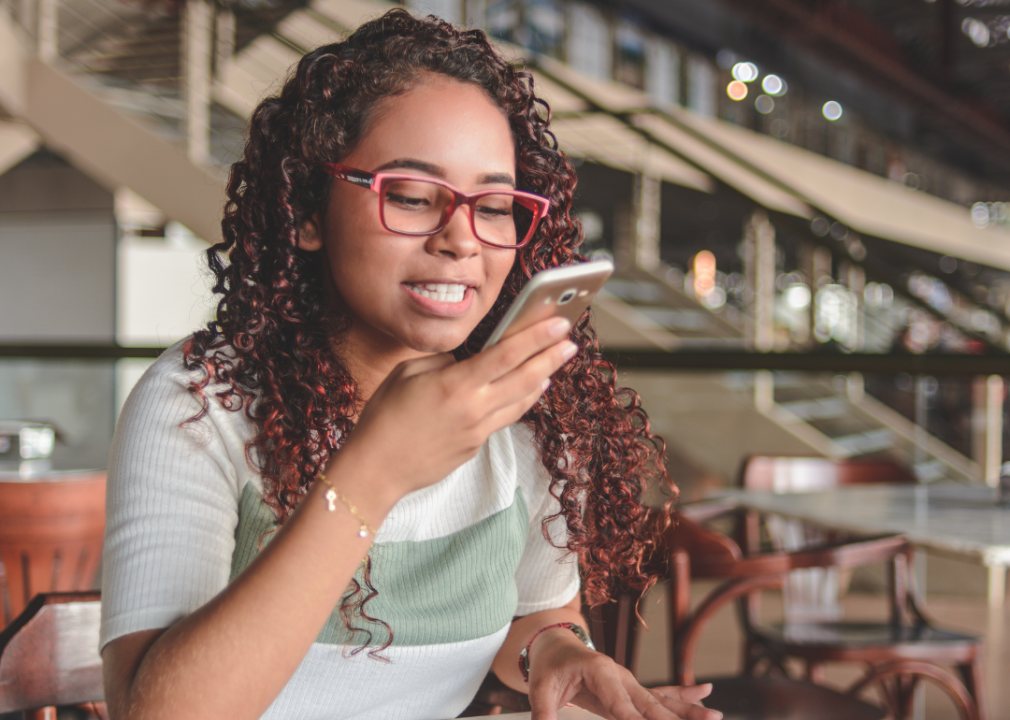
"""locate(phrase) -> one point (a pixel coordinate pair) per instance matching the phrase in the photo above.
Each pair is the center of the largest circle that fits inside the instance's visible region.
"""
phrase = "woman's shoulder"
(170, 390)
(531, 475)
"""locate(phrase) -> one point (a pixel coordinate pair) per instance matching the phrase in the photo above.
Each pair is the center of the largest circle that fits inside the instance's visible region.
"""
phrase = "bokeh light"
(704, 273)
(980, 214)
(977, 31)
(832, 110)
(774, 85)
(820, 226)
(745, 72)
(797, 296)
(736, 90)
(764, 104)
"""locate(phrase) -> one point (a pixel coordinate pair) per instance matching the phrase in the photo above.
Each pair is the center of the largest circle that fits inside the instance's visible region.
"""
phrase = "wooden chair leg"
(973, 677)
(899, 678)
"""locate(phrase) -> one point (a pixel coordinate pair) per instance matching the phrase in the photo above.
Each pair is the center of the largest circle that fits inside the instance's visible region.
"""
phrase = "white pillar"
(49, 30)
(759, 239)
(26, 16)
(224, 41)
(647, 216)
(993, 429)
(197, 46)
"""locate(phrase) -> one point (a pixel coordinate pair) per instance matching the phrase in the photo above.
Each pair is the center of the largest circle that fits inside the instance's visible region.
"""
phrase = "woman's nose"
(456, 238)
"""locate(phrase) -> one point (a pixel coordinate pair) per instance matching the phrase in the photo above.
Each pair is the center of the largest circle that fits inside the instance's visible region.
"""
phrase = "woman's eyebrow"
(439, 172)
(412, 164)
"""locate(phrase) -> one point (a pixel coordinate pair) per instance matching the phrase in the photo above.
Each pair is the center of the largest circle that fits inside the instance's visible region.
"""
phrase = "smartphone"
(562, 291)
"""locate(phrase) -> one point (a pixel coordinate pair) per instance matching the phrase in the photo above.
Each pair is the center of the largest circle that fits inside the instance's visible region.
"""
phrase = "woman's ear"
(310, 236)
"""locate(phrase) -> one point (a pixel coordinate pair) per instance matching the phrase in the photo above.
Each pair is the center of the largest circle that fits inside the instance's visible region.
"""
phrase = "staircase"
(715, 419)
(112, 98)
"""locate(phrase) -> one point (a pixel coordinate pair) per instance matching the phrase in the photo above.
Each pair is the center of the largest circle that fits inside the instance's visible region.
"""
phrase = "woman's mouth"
(440, 292)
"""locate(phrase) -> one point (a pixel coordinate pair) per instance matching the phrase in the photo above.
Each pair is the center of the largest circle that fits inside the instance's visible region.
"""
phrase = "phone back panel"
(539, 300)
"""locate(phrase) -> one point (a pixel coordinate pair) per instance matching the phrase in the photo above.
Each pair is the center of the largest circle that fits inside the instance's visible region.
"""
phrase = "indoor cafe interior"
(807, 207)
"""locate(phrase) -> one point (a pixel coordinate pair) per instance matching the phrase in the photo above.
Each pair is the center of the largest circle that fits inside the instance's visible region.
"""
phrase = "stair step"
(867, 442)
(930, 471)
(828, 408)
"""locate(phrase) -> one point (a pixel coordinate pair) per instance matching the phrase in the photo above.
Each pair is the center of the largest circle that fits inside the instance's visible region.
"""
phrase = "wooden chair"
(49, 656)
(811, 594)
(50, 537)
(798, 474)
(614, 628)
(898, 653)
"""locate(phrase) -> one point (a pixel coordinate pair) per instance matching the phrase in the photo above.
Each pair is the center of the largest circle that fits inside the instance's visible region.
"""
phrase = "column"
(49, 30)
(759, 267)
(646, 224)
(197, 48)
(993, 429)
(224, 40)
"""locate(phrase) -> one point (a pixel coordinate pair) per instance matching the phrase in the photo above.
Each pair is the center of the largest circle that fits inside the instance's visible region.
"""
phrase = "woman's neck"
(370, 358)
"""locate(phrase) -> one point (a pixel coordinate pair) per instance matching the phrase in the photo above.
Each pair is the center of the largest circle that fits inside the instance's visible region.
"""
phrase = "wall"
(58, 285)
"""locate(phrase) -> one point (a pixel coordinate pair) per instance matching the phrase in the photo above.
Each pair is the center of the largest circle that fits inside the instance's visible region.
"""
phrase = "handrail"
(634, 359)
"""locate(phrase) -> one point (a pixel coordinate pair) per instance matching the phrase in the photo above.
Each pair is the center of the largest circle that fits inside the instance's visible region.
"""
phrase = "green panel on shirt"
(447, 589)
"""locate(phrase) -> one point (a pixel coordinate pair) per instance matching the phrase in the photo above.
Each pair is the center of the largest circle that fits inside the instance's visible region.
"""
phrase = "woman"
(339, 396)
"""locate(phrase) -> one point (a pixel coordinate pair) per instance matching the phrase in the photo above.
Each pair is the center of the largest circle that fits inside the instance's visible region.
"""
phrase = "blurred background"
(807, 201)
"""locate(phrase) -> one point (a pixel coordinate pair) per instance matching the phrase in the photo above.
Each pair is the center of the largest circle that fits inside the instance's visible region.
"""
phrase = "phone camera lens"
(566, 297)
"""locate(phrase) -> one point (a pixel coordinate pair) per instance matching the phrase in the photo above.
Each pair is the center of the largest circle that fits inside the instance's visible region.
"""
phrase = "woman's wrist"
(553, 636)
(357, 483)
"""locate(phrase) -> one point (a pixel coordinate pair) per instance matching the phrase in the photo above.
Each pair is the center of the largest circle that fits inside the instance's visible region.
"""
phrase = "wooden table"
(951, 519)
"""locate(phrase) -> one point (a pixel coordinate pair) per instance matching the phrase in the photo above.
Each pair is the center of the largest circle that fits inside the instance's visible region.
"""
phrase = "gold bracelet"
(332, 495)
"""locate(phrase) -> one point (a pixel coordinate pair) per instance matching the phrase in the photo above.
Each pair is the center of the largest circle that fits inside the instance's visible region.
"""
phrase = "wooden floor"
(719, 651)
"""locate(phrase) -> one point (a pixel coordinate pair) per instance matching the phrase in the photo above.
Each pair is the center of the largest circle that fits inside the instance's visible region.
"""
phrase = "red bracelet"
(524, 654)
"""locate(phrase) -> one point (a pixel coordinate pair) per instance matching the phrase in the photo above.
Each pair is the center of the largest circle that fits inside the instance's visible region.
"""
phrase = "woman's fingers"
(661, 702)
(687, 693)
(509, 354)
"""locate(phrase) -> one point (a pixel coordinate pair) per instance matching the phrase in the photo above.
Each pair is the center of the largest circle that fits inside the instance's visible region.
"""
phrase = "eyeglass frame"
(376, 181)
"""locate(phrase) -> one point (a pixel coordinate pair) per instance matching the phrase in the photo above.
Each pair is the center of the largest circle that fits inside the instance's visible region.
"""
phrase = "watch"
(524, 654)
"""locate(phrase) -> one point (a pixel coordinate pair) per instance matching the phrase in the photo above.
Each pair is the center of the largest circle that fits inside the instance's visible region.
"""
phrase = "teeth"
(441, 292)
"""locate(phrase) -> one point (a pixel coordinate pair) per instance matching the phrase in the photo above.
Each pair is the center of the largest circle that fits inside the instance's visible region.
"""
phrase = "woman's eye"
(406, 201)
(494, 212)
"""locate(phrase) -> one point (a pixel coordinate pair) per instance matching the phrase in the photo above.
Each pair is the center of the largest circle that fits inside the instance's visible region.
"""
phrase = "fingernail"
(545, 384)
(570, 349)
(560, 327)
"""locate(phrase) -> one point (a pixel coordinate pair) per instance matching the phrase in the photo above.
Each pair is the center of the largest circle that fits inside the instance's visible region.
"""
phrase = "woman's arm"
(563, 670)
(233, 656)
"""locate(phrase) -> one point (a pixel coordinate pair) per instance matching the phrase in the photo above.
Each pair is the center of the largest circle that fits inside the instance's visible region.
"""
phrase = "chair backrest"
(49, 653)
(801, 474)
(50, 537)
(812, 595)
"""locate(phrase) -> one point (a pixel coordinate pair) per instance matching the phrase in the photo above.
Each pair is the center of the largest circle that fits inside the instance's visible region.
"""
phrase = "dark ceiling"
(934, 75)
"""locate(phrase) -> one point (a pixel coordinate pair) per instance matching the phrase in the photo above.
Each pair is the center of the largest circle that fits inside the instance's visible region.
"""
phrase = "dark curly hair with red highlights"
(271, 346)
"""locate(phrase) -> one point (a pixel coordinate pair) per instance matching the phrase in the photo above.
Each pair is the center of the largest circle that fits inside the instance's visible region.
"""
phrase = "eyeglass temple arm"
(357, 177)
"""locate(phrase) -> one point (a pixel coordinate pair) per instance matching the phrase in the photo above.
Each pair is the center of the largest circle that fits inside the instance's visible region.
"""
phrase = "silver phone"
(556, 292)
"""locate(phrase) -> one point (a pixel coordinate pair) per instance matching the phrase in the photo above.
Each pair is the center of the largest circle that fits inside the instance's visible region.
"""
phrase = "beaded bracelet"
(332, 495)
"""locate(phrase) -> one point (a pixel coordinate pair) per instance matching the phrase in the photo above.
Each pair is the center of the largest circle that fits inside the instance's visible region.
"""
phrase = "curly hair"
(269, 351)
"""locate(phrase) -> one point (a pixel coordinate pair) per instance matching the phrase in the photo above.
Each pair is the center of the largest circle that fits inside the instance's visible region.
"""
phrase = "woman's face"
(440, 129)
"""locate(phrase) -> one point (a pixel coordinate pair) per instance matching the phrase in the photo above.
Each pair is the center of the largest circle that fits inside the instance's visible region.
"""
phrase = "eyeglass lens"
(417, 206)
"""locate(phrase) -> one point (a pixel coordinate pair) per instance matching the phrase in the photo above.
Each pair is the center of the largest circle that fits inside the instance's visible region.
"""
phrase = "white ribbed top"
(174, 498)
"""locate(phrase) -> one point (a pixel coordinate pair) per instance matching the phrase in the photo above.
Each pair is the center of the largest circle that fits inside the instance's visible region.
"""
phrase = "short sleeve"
(548, 574)
(172, 504)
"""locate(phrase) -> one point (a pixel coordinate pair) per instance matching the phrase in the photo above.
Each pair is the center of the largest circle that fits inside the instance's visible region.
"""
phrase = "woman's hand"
(431, 415)
(563, 670)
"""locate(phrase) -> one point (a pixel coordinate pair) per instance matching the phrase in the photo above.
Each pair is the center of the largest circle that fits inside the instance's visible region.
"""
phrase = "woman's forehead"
(446, 122)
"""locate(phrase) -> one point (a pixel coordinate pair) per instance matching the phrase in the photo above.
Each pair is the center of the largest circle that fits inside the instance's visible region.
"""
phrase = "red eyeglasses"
(413, 205)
